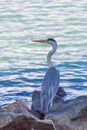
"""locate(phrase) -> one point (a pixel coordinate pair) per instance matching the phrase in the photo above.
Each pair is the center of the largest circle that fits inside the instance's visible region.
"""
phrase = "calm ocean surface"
(23, 63)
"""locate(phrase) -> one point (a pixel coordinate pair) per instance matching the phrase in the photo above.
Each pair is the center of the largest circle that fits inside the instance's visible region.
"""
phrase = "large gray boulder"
(36, 105)
(64, 115)
(70, 115)
(16, 116)
(15, 121)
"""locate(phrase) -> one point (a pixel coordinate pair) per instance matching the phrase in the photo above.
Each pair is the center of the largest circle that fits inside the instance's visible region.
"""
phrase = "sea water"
(23, 62)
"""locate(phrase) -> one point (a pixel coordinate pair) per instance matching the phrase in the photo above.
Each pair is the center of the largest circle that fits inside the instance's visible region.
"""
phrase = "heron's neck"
(50, 53)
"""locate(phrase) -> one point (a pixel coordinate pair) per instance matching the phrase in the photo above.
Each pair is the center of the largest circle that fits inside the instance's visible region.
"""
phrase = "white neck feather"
(50, 53)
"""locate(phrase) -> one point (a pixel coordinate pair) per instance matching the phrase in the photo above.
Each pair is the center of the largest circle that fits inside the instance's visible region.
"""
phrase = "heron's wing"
(49, 86)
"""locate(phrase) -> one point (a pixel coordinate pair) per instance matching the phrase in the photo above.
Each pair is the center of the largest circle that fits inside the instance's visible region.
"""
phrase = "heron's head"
(50, 41)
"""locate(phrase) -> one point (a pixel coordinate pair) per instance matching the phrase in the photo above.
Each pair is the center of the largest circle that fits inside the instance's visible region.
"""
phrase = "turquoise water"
(23, 63)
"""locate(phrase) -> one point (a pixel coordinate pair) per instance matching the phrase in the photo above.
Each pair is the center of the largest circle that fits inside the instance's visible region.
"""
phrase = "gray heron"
(51, 80)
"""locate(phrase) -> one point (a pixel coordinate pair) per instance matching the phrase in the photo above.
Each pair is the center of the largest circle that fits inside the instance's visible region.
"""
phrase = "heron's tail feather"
(44, 106)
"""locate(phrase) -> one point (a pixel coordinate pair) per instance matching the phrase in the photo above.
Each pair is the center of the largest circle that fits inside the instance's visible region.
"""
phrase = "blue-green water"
(23, 63)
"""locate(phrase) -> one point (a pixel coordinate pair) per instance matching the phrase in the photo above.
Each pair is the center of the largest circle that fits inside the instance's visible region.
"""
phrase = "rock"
(61, 92)
(16, 116)
(5, 118)
(70, 115)
(17, 107)
(2, 109)
(15, 121)
(64, 115)
(36, 101)
(36, 105)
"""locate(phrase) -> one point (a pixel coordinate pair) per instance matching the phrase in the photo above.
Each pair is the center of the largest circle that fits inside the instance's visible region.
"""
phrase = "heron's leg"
(46, 110)
(51, 104)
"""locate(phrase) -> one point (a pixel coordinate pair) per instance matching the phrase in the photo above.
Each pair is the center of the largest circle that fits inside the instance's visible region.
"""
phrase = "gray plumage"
(49, 88)
(51, 80)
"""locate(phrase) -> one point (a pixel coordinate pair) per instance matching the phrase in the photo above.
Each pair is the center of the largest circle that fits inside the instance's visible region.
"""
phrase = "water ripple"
(23, 63)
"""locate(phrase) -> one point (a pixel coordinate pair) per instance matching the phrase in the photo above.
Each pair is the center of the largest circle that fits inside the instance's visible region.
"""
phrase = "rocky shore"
(64, 115)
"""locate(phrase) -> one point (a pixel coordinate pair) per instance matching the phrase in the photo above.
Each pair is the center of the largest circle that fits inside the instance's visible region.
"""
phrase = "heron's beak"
(42, 41)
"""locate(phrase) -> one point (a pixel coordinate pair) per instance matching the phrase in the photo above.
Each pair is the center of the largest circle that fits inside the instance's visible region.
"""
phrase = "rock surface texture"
(17, 117)
(64, 115)
(70, 115)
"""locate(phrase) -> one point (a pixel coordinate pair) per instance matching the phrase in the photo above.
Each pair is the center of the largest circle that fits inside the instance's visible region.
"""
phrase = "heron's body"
(51, 80)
